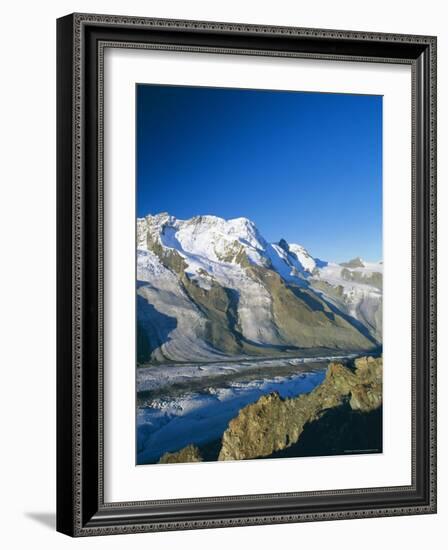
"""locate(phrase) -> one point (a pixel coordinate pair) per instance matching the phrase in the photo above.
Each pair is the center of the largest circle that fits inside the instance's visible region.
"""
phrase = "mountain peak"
(204, 238)
(284, 245)
(159, 216)
(242, 221)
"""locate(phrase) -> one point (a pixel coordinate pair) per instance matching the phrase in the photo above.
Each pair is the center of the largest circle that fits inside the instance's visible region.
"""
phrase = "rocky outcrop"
(187, 454)
(303, 319)
(272, 423)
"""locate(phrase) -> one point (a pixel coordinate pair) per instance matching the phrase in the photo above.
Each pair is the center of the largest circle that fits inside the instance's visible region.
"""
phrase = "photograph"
(233, 237)
(259, 274)
(246, 272)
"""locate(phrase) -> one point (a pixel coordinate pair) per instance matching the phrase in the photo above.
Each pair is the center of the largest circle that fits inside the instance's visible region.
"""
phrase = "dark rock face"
(273, 424)
(153, 329)
(339, 431)
(283, 244)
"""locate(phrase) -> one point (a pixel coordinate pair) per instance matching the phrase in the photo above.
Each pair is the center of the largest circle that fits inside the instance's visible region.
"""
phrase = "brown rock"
(187, 454)
(272, 423)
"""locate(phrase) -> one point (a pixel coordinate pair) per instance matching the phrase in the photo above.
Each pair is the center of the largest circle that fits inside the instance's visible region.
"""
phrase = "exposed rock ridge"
(187, 454)
(272, 423)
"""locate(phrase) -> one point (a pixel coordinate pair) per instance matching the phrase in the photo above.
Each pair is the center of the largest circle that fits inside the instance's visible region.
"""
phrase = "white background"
(27, 218)
(125, 482)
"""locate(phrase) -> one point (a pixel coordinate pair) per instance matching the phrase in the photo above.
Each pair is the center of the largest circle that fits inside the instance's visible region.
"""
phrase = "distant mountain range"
(209, 288)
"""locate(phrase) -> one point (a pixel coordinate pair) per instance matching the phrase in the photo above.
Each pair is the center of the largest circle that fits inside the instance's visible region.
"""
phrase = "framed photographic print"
(246, 274)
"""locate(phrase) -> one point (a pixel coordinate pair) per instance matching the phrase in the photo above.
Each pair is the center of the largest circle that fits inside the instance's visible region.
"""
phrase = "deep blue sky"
(306, 167)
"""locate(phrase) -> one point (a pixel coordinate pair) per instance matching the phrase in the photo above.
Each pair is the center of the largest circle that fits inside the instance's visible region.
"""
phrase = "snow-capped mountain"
(211, 288)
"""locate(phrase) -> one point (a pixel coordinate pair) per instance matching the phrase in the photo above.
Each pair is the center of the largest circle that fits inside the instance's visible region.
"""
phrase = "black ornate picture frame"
(81, 508)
